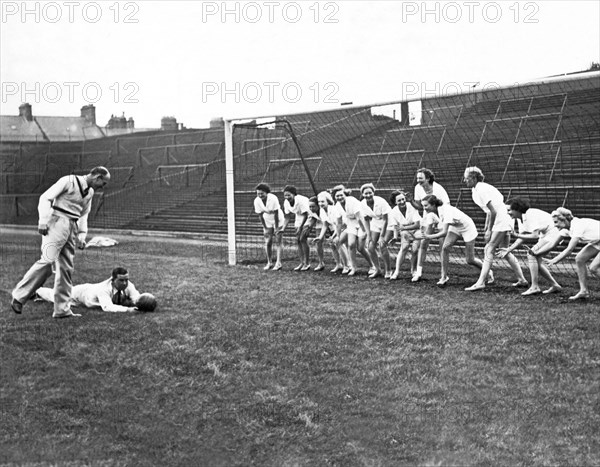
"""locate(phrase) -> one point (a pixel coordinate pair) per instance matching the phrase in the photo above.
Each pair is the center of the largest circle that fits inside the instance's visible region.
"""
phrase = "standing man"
(63, 211)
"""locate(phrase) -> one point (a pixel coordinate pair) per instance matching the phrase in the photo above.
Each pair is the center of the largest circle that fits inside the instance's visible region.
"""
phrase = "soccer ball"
(146, 302)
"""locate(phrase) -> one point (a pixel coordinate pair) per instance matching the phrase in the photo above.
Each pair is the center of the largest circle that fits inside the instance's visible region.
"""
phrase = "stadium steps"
(203, 214)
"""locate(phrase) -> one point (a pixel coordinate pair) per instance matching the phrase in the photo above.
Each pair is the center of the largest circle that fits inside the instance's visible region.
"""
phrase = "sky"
(198, 60)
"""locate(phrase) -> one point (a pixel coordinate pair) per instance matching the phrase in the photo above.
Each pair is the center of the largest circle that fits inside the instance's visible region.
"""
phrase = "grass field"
(244, 367)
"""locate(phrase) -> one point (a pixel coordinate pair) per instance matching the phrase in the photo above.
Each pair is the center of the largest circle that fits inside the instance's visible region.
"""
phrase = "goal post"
(230, 185)
(255, 150)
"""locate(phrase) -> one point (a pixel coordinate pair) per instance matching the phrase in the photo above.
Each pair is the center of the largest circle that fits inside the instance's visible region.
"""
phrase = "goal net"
(539, 141)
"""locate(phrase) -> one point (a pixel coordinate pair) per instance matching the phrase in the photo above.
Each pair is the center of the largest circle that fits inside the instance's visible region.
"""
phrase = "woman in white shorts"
(267, 206)
(582, 230)
(326, 224)
(426, 185)
(535, 224)
(498, 226)
(454, 224)
(297, 205)
(404, 223)
(314, 221)
(377, 247)
(351, 213)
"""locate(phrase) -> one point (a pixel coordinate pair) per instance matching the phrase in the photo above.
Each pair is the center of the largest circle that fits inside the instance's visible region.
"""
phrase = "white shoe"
(416, 278)
(443, 282)
(69, 314)
(520, 284)
(580, 296)
(531, 292)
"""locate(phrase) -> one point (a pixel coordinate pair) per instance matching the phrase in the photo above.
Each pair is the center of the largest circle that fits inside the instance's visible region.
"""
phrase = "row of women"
(369, 226)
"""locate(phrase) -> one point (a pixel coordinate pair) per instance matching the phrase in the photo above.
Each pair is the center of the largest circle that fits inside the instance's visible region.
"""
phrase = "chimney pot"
(89, 113)
(26, 112)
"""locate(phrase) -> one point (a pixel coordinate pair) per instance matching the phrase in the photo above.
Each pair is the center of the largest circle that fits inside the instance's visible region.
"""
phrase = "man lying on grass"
(115, 294)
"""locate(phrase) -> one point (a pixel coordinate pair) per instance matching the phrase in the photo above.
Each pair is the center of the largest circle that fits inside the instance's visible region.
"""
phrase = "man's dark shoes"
(16, 306)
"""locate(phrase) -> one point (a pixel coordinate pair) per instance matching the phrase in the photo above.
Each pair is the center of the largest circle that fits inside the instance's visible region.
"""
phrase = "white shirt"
(396, 218)
(324, 215)
(483, 193)
(453, 216)
(438, 191)
(101, 295)
(316, 217)
(588, 230)
(330, 216)
(380, 207)
(268, 208)
(537, 220)
(351, 209)
(300, 206)
(67, 198)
